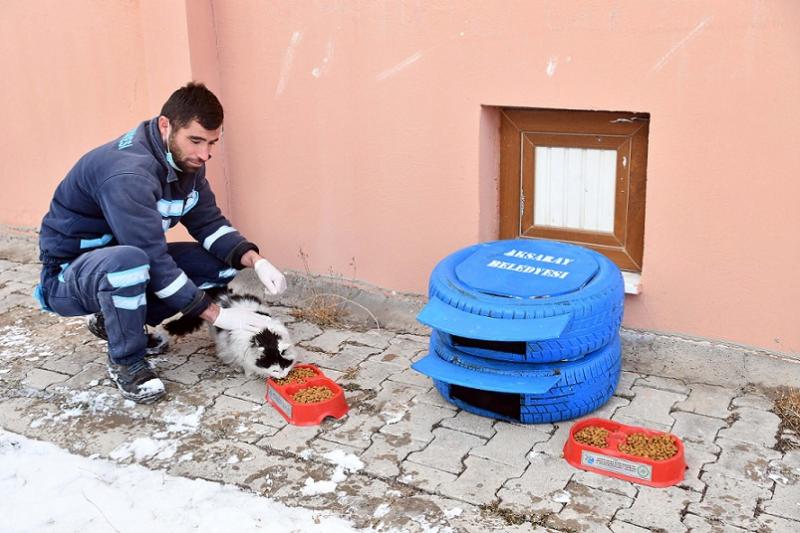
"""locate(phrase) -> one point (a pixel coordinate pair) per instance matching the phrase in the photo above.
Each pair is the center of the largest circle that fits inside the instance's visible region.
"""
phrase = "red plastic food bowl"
(306, 414)
(609, 461)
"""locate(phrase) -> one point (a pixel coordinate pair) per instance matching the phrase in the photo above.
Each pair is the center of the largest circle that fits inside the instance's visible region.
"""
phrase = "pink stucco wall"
(368, 130)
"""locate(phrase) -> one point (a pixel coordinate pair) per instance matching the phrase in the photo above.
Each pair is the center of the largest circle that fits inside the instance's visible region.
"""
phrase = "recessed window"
(575, 176)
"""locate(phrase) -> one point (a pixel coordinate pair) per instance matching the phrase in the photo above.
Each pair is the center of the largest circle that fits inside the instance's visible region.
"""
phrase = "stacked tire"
(524, 330)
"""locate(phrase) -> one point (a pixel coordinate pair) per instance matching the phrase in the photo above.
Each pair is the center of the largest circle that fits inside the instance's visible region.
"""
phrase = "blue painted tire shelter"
(529, 326)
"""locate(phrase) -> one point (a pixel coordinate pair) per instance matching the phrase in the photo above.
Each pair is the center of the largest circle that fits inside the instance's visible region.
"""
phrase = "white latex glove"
(271, 277)
(243, 319)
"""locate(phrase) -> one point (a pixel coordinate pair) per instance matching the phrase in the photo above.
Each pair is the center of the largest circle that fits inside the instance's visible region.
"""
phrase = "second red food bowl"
(610, 461)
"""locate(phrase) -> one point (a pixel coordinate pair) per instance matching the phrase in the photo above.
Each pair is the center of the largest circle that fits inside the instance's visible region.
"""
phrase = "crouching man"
(103, 248)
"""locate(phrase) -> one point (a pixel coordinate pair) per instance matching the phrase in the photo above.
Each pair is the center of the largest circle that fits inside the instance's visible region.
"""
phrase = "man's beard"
(178, 156)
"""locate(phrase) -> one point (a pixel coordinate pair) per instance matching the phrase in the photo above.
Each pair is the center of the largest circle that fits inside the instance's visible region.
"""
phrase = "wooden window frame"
(522, 130)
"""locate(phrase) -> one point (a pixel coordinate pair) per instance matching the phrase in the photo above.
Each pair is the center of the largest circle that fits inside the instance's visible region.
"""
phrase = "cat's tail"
(184, 325)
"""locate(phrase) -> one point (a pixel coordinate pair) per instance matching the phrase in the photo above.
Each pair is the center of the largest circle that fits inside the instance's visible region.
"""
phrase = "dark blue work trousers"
(114, 281)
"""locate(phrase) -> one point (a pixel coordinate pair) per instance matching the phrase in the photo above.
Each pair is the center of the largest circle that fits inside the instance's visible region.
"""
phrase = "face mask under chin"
(171, 161)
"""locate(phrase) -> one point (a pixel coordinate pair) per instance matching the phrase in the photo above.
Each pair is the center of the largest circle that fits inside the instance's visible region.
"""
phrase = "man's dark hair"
(193, 102)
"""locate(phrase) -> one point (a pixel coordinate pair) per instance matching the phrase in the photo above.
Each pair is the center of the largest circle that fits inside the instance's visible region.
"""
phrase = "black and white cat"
(268, 353)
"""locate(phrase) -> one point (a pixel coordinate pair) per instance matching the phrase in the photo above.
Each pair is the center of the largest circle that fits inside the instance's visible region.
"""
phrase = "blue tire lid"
(527, 268)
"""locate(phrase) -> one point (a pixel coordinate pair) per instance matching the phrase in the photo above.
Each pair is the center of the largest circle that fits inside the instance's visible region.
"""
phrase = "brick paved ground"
(427, 466)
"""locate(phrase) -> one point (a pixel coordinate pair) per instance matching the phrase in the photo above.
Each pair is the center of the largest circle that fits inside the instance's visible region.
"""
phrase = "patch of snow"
(313, 488)
(145, 448)
(561, 496)
(392, 416)
(382, 510)
(94, 495)
(454, 512)
(180, 420)
(347, 461)
(344, 462)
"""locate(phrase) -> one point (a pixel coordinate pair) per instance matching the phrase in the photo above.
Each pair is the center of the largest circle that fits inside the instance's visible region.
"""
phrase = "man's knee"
(124, 257)
(128, 266)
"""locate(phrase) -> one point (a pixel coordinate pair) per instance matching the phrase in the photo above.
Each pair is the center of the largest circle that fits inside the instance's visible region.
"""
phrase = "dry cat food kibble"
(313, 395)
(593, 436)
(658, 447)
(297, 375)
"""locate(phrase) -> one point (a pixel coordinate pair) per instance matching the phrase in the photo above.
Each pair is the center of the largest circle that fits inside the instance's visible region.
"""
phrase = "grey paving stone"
(776, 524)
(698, 430)
(386, 452)
(785, 471)
(189, 372)
(745, 461)
(666, 384)
(431, 396)
(469, 423)
(237, 419)
(588, 509)
(270, 416)
(374, 338)
(419, 422)
(69, 364)
(646, 424)
(447, 450)
(15, 299)
(546, 477)
(329, 341)
(605, 483)
(16, 414)
(731, 500)
(608, 409)
(319, 447)
(349, 357)
(650, 405)
(785, 502)
(228, 461)
(699, 524)
(368, 374)
(754, 426)
(290, 438)
(411, 377)
(709, 400)
(424, 477)
(356, 430)
(658, 508)
(554, 446)
(252, 389)
(92, 372)
(41, 379)
(511, 443)
(408, 348)
(618, 526)
(753, 400)
(304, 356)
(303, 331)
(696, 460)
(479, 482)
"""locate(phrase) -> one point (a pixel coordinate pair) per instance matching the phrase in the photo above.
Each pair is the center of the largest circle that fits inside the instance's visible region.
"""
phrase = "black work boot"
(137, 381)
(156, 343)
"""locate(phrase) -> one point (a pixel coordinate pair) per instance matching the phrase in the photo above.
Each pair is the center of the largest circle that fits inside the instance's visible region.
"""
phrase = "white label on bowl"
(617, 465)
(280, 402)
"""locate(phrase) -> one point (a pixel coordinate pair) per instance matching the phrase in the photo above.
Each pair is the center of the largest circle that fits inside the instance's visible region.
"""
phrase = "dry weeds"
(327, 309)
(787, 407)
